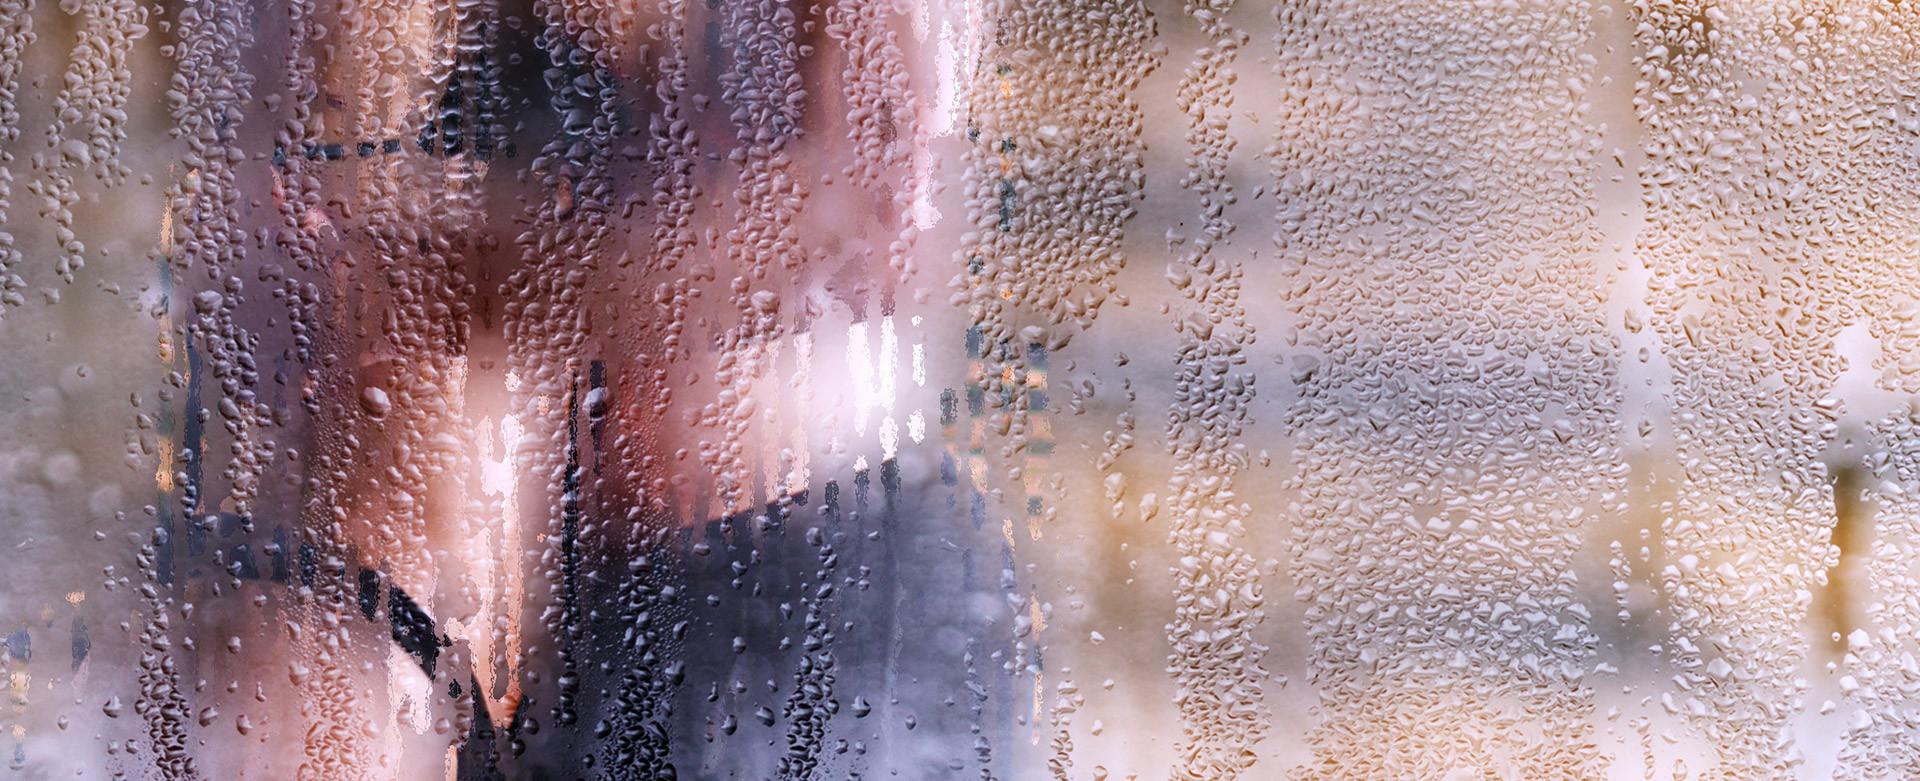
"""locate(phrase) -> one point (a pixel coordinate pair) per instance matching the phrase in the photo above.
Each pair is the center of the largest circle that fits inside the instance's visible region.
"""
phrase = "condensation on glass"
(960, 389)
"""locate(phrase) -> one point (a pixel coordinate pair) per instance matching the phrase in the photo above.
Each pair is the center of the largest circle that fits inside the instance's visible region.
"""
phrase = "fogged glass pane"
(941, 389)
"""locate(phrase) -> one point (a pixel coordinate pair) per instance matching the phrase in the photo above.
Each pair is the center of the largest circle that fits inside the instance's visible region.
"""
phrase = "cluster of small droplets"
(1051, 177)
(208, 93)
(1118, 440)
(636, 731)
(1218, 602)
(547, 323)
(16, 34)
(393, 83)
(372, 509)
(977, 711)
(472, 127)
(1778, 183)
(765, 88)
(414, 243)
(162, 705)
(89, 118)
(1457, 382)
(1882, 674)
(812, 702)
(1052, 174)
(638, 747)
(881, 112)
(1439, 248)
(321, 667)
(1067, 701)
(426, 329)
(333, 515)
(1621, 567)
(296, 184)
(637, 744)
(297, 190)
(673, 150)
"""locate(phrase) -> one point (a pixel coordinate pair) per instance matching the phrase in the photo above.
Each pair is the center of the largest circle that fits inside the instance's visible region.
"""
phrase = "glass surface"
(960, 389)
